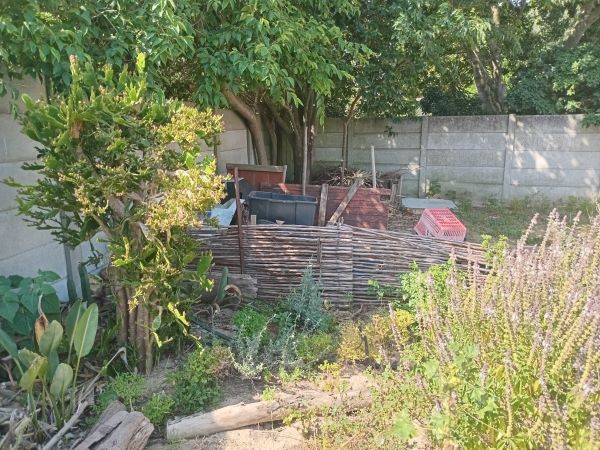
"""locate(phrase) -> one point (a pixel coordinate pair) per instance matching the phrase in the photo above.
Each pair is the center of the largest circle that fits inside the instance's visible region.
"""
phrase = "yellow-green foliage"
(312, 348)
(377, 338)
(117, 157)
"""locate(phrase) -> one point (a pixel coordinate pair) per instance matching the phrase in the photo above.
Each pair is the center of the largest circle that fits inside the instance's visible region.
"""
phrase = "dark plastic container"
(291, 209)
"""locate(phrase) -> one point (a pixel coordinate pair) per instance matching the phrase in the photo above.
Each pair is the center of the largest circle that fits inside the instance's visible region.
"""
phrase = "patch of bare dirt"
(403, 220)
(285, 438)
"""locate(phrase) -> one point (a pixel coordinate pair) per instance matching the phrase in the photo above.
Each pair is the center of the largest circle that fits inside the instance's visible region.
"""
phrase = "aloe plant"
(55, 399)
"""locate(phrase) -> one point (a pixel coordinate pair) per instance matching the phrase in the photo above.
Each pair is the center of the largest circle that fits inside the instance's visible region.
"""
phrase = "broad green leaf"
(53, 362)
(62, 380)
(51, 338)
(15, 280)
(47, 276)
(9, 305)
(36, 369)
(84, 333)
(26, 356)
(8, 344)
(75, 312)
(30, 301)
(51, 304)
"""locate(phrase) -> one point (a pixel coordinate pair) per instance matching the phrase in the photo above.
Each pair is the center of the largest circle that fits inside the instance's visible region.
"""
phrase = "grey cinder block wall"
(483, 157)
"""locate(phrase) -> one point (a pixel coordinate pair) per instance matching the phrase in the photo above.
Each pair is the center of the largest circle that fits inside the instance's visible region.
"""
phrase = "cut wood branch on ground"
(241, 415)
(118, 429)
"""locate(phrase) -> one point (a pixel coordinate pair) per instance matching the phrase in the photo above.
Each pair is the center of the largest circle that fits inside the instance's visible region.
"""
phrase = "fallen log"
(242, 414)
(118, 429)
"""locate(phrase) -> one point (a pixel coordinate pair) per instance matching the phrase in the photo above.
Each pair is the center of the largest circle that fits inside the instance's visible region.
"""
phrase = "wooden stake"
(373, 167)
(342, 206)
(238, 207)
(323, 204)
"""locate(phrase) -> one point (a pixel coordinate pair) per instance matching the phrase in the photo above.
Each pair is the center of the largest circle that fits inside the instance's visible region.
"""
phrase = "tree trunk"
(253, 122)
(490, 88)
(241, 415)
(590, 13)
(270, 124)
(345, 143)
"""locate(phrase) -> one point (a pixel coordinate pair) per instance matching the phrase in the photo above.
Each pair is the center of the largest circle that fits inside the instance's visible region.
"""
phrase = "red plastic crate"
(441, 223)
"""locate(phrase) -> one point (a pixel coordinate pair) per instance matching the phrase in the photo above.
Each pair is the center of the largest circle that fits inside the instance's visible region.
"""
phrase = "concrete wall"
(23, 249)
(482, 156)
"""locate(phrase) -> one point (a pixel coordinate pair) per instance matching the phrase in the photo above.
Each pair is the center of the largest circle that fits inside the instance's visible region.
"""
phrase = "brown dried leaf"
(40, 326)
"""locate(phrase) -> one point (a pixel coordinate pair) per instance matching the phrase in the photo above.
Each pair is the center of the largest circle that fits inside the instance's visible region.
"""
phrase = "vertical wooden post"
(423, 156)
(238, 207)
(373, 167)
(323, 204)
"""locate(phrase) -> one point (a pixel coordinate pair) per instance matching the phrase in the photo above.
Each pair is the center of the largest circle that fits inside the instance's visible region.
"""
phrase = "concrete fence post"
(509, 152)
(423, 156)
(350, 142)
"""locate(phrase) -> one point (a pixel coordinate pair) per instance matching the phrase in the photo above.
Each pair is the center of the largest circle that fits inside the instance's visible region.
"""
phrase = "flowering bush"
(514, 360)
(505, 359)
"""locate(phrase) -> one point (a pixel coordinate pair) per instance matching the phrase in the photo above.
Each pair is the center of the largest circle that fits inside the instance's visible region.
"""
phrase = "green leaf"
(140, 62)
(15, 280)
(178, 315)
(203, 266)
(404, 427)
(51, 304)
(75, 312)
(51, 338)
(84, 333)
(26, 356)
(30, 301)
(53, 362)
(47, 276)
(9, 305)
(62, 380)
(8, 344)
(36, 369)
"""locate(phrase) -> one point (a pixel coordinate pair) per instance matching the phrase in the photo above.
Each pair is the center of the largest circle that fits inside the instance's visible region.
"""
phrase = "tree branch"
(589, 15)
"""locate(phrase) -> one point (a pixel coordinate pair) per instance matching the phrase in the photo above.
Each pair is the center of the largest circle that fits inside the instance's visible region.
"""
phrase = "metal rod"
(238, 207)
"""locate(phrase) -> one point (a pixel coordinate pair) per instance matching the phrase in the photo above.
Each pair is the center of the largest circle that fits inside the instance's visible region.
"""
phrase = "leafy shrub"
(56, 401)
(306, 304)
(19, 301)
(313, 348)
(518, 351)
(158, 408)
(283, 342)
(250, 322)
(376, 339)
(128, 387)
(414, 285)
(120, 158)
(196, 384)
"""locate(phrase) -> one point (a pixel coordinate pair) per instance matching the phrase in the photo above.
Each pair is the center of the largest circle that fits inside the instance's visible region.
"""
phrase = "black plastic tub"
(291, 209)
